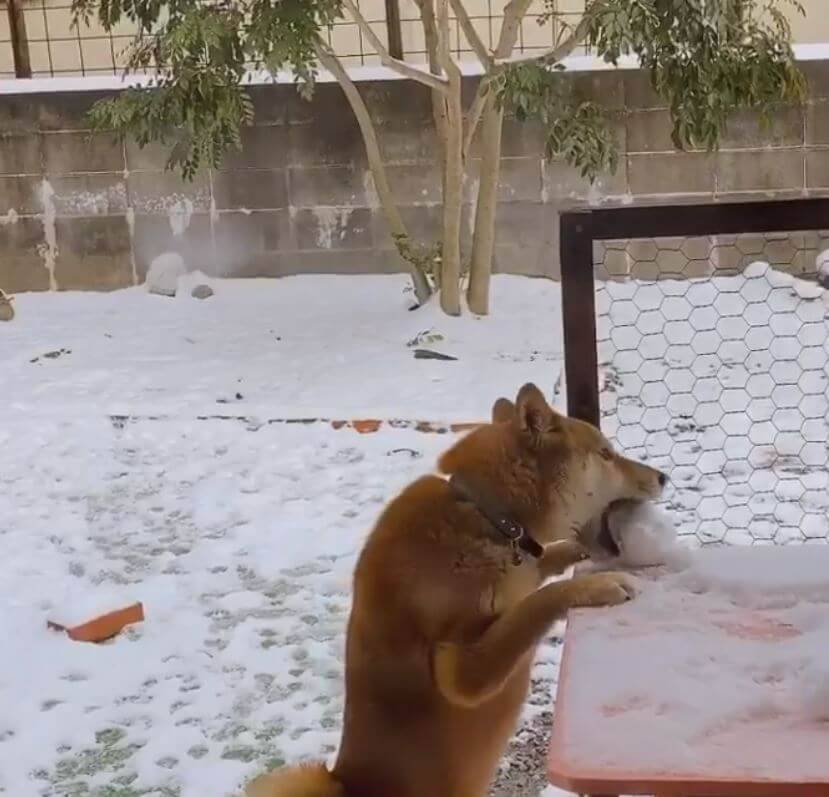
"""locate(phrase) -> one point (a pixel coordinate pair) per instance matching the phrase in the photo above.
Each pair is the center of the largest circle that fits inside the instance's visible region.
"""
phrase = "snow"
(703, 674)
(299, 347)
(814, 692)
(77, 603)
(372, 73)
(160, 450)
(240, 545)
(164, 273)
(646, 536)
(822, 265)
(723, 384)
(132, 472)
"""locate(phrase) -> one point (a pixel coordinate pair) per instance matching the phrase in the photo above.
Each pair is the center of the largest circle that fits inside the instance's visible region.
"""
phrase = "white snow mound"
(822, 264)
(646, 536)
(164, 273)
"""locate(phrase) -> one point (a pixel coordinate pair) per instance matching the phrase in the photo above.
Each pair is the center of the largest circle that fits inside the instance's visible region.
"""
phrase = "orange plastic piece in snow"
(104, 626)
(366, 425)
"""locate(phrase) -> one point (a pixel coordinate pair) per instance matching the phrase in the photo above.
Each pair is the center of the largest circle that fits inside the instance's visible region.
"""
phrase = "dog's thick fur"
(444, 624)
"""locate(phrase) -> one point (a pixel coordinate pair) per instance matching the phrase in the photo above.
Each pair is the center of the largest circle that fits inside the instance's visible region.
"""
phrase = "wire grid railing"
(536, 34)
(714, 366)
(56, 48)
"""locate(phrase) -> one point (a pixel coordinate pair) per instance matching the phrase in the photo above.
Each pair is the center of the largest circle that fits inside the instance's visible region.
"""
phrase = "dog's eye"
(606, 454)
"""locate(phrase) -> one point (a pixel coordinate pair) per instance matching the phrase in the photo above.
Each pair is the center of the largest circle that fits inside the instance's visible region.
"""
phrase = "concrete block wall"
(82, 210)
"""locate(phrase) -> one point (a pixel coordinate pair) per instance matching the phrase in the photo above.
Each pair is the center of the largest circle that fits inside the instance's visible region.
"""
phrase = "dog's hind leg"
(469, 674)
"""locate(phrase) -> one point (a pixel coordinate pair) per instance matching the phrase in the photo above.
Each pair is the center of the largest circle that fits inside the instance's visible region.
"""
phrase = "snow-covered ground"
(293, 348)
(138, 463)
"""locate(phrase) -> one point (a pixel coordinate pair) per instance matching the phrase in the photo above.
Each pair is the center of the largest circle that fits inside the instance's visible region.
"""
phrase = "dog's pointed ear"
(534, 414)
(503, 410)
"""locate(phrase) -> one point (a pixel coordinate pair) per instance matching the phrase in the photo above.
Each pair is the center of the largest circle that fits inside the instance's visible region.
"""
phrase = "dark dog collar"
(508, 530)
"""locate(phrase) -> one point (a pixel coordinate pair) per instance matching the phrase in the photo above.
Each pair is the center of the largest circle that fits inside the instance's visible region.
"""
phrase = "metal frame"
(394, 29)
(580, 228)
(19, 41)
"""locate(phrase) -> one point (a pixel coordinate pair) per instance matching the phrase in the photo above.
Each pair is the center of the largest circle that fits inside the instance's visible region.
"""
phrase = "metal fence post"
(20, 42)
(394, 30)
(578, 307)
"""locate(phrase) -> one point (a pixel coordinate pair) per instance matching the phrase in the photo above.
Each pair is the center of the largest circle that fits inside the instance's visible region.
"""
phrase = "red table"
(701, 686)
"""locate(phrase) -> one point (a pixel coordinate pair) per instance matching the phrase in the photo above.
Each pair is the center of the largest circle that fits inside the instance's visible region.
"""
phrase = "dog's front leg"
(469, 674)
(558, 556)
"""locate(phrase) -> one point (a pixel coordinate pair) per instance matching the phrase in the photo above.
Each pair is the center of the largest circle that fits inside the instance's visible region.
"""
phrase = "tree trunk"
(450, 281)
(450, 271)
(483, 240)
(378, 171)
(491, 125)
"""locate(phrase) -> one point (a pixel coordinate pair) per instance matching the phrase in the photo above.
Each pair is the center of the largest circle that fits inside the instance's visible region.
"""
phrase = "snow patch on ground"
(299, 347)
(241, 546)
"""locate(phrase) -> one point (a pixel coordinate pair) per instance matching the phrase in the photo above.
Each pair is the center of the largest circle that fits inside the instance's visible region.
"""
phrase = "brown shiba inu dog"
(449, 604)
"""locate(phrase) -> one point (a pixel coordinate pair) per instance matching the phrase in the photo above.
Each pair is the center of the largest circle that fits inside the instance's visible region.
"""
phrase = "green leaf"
(197, 104)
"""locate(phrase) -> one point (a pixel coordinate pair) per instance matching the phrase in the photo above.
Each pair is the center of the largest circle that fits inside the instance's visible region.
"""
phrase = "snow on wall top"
(575, 63)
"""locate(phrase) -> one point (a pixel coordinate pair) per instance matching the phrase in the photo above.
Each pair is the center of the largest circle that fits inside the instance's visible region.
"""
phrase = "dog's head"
(563, 471)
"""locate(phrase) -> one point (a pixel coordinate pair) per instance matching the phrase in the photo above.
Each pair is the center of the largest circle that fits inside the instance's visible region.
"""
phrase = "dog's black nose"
(663, 479)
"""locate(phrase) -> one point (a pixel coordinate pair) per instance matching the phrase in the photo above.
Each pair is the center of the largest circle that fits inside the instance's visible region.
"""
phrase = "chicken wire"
(714, 366)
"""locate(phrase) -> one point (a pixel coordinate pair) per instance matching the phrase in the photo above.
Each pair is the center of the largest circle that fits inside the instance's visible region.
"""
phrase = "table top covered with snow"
(713, 681)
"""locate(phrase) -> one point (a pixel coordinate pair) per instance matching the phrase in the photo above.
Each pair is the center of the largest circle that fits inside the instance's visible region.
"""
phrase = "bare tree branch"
(514, 13)
(453, 169)
(504, 59)
(444, 49)
(471, 34)
(555, 54)
(427, 78)
(473, 116)
(375, 159)
(430, 32)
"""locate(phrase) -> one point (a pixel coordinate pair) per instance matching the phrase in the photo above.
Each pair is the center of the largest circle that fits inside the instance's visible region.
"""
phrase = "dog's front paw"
(603, 589)
(573, 551)
(560, 555)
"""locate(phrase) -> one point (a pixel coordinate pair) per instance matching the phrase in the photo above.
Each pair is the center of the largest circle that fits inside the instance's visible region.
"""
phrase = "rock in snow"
(202, 291)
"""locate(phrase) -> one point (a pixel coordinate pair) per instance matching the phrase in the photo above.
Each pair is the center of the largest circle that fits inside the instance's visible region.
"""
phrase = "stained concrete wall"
(82, 210)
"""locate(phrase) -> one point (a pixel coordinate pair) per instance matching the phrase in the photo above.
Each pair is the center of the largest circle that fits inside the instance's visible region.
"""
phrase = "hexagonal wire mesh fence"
(714, 365)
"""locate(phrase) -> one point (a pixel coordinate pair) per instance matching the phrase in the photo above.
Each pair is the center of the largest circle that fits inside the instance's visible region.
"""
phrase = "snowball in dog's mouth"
(605, 539)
